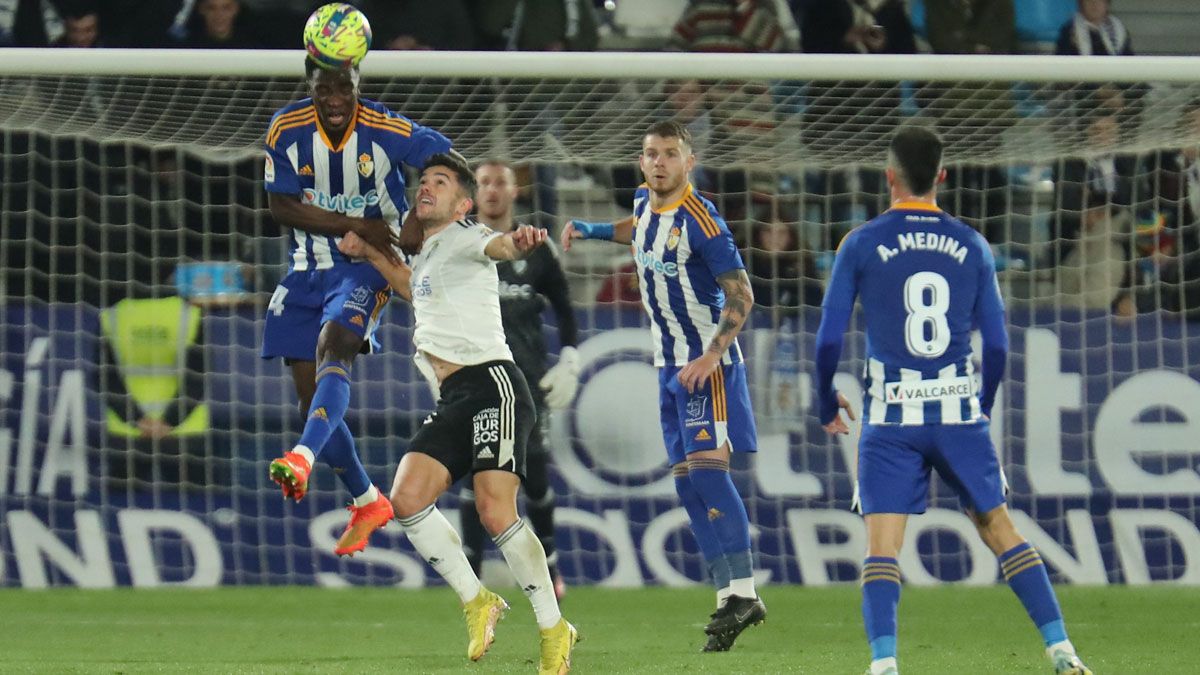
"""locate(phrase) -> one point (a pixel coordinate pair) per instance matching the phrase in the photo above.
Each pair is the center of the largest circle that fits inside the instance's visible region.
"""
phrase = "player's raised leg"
(292, 470)
(419, 481)
(1027, 577)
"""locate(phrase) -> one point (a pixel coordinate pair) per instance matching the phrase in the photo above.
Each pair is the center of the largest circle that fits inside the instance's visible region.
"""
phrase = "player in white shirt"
(484, 412)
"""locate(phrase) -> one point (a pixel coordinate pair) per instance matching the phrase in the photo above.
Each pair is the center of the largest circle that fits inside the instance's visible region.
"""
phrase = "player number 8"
(927, 318)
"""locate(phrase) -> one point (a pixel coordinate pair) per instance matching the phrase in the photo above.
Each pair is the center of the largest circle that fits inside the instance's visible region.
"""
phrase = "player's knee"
(407, 502)
(997, 530)
(496, 515)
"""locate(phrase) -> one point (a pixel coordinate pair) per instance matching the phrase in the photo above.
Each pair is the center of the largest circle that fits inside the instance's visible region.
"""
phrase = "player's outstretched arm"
(516, 244)
(397, 274)
(620, 232)
(289, 211)
(739, 300)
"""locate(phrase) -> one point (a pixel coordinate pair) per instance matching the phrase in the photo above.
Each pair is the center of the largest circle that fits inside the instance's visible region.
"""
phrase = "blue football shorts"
(706, 419)
(894, 464)
(352, 294)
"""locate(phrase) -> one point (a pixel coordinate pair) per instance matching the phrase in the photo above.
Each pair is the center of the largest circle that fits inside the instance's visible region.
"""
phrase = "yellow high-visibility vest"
(150, 339)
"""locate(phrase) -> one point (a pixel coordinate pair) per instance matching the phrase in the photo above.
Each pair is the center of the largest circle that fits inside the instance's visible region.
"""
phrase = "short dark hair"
(312, 67)
(457, 166)
(670, 129)
(917, 152)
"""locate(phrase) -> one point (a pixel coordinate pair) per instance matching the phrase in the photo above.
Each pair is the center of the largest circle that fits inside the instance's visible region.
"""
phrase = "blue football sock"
(706, 536)
(1027, 577)
(725, 512)
(342, 457)
(880, 597)
(328, 407)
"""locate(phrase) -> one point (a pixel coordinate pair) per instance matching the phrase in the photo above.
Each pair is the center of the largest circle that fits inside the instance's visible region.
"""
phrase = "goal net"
(138, 176)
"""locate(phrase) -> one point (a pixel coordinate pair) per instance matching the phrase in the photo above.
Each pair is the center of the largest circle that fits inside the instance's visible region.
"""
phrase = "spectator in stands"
(29, 23)
(971, 26)
(138, 23)
(857, 27)
(781, 274)
(730, 26)
(1096, 274)
(417, 24)
(1094, 32)
(81, 23)
(1177, 178)
(852, 27)
(152, 382)
(1080, 182)
(536, 25)
(221, 24)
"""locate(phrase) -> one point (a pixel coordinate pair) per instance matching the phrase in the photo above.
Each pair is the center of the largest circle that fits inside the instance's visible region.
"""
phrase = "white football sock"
(437, 542)
(1064, 646)
(527, 560)
(722, 596)
(367, 497)
(879, 667)
(743, 587)
(304, 452)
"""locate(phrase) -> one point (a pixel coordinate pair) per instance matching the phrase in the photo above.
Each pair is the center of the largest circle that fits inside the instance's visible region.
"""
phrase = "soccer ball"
(337, 36)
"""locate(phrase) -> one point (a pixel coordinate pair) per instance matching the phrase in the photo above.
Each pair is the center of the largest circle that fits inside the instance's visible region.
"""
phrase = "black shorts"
(482, 421)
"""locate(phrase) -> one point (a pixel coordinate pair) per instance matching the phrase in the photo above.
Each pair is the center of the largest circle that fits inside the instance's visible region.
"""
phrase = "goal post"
(136, 174)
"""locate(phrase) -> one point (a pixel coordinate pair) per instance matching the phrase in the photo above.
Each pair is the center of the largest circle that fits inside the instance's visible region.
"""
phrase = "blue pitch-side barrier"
(1098, 433)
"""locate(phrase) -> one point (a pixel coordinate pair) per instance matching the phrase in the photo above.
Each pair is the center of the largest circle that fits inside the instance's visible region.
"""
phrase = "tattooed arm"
(739, 299)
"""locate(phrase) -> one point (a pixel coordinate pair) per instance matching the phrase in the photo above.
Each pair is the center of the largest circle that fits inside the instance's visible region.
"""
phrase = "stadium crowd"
(1121, 231)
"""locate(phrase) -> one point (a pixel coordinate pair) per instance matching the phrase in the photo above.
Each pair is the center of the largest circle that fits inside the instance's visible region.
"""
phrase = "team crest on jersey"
(366, 167)
(673, 239)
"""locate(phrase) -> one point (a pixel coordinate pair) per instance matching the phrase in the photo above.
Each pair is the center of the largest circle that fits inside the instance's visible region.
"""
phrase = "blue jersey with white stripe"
(924, 280)
(361, 177)
(680, 250)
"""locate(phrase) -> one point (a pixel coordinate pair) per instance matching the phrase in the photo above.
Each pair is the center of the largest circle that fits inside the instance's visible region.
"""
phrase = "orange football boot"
(363, 521)
(291, 472)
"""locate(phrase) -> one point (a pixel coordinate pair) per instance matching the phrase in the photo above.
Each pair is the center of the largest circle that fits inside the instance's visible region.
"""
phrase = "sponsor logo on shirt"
(927, 390)
(648, 260)
(423, 288)
(339, 203)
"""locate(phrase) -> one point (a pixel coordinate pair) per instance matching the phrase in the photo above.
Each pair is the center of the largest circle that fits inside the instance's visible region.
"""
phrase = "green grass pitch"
(656, 630)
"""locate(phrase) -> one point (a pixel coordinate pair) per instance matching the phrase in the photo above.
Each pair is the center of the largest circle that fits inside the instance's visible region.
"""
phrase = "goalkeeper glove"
(561, 381)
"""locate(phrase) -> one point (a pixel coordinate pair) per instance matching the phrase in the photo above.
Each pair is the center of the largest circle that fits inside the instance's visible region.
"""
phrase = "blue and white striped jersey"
(680, 251)
(361, 177)
(924, 280)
